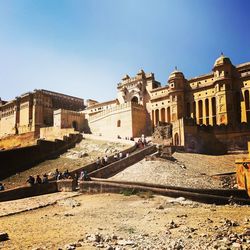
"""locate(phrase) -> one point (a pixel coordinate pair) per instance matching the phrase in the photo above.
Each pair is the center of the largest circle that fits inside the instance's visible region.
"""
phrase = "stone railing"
(113, 110)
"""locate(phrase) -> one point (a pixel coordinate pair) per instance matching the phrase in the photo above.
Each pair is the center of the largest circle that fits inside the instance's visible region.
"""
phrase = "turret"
(176, 80)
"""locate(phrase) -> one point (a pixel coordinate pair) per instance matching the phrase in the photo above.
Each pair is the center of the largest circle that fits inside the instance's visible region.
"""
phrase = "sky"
(84, 47)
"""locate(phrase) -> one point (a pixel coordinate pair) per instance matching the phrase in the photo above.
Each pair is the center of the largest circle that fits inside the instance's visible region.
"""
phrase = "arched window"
(176, 139)
(207, 111)
(247, 105)
(200, 111)
(156, 117)
(119, 123)
(134, 99)
(168, 115)
(163, 115)
(214, 110)
(75, 125)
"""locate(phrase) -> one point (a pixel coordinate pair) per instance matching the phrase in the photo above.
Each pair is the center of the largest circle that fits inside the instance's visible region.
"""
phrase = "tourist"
(56, 174)
(66, 174)
(38, 180)
(60, 176)
(81, 175)
(120, 155)
(86, 176)
(1, 187)
(98, 162)
(127, 154)
(45, 179)
(106, 160)
(31, 180)
(116, 157)
(102, 162)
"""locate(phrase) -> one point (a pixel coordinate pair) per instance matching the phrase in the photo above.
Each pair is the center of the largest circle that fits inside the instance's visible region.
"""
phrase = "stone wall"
(68, 119)
(28, 191)
(120, 165)
(52, 133)
(125, 120)
(17, 160)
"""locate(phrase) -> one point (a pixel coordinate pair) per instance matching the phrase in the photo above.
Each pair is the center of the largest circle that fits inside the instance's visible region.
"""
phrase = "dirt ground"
(186, 170)
(126, 222)
(84, 153)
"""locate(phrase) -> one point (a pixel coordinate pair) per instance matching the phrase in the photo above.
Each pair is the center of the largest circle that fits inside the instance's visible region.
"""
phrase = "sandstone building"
(215, 105)
(34, 110)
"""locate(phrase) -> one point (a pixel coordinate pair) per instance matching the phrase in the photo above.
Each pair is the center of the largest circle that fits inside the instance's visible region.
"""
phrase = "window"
(119, 123)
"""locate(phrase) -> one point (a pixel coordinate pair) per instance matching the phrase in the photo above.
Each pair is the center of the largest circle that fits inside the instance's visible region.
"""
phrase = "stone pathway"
(31, 203)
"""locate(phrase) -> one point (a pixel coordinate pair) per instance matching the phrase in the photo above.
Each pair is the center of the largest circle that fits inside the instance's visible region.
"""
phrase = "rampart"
(19, 159)
(123, 163)
(28, 191)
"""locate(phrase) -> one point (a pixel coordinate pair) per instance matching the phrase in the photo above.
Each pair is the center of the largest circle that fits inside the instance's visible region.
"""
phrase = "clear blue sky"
(84, 47)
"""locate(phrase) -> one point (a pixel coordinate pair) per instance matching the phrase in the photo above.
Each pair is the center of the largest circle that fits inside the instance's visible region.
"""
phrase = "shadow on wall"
(19, 159)
(204, 144)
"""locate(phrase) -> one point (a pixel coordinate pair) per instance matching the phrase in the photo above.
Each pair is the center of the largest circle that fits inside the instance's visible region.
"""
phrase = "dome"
(175, 74)
(222, 60)
(125, 77)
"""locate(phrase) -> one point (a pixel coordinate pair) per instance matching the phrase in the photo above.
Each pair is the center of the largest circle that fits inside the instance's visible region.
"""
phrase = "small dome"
(222, 60)
(175, 74)
(125, 77)
(141, 72)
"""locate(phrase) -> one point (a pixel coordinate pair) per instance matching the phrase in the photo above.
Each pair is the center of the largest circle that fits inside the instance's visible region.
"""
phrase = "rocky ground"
(85, 152)
(113, 221)
(185, 169)
(142, 221)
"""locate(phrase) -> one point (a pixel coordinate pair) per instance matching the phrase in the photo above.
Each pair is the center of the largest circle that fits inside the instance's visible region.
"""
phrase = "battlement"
(119, 107)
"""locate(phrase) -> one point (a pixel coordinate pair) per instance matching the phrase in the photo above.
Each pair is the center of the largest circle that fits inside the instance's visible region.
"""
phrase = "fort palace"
(214, 105)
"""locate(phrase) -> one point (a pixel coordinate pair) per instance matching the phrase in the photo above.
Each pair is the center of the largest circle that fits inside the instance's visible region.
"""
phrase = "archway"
(247, 105)
(163, 119)
(176, 139)
(156, 117)
(135, 99)
(75, 125)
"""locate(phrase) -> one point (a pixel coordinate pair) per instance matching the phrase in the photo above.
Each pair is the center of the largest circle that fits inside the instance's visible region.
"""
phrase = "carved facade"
(217, 98)
(31, 111)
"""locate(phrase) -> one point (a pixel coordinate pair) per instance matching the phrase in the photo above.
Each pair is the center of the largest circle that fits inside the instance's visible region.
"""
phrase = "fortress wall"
(20, 159)
(216, 141)
(28, 191)
(52, 133)
(112, 124)
(14, 141)
(120, 165)
(7, 125)
(139, 120)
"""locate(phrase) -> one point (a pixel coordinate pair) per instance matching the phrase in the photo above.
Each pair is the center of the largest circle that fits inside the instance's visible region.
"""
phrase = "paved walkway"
(26, 204)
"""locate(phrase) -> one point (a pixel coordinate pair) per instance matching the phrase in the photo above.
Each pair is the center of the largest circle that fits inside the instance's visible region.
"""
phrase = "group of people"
(38, 180)
(142, 142)
(62, 175)
(102, 161)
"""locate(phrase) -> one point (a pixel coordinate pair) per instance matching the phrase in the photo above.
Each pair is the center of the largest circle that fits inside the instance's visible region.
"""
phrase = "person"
(1, 187)
(81, 176)
(120, 155)
(66, 174)
(102, 162)
(59, 176)
(56, 173)
(31, 180)
(45, 179)
(86, 176)
(115, 157)
(127, 154)
(98, 162)
(106, 160)
(38, 180)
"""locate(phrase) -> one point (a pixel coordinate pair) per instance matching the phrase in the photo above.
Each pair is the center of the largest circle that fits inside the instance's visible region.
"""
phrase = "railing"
(114, 109)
